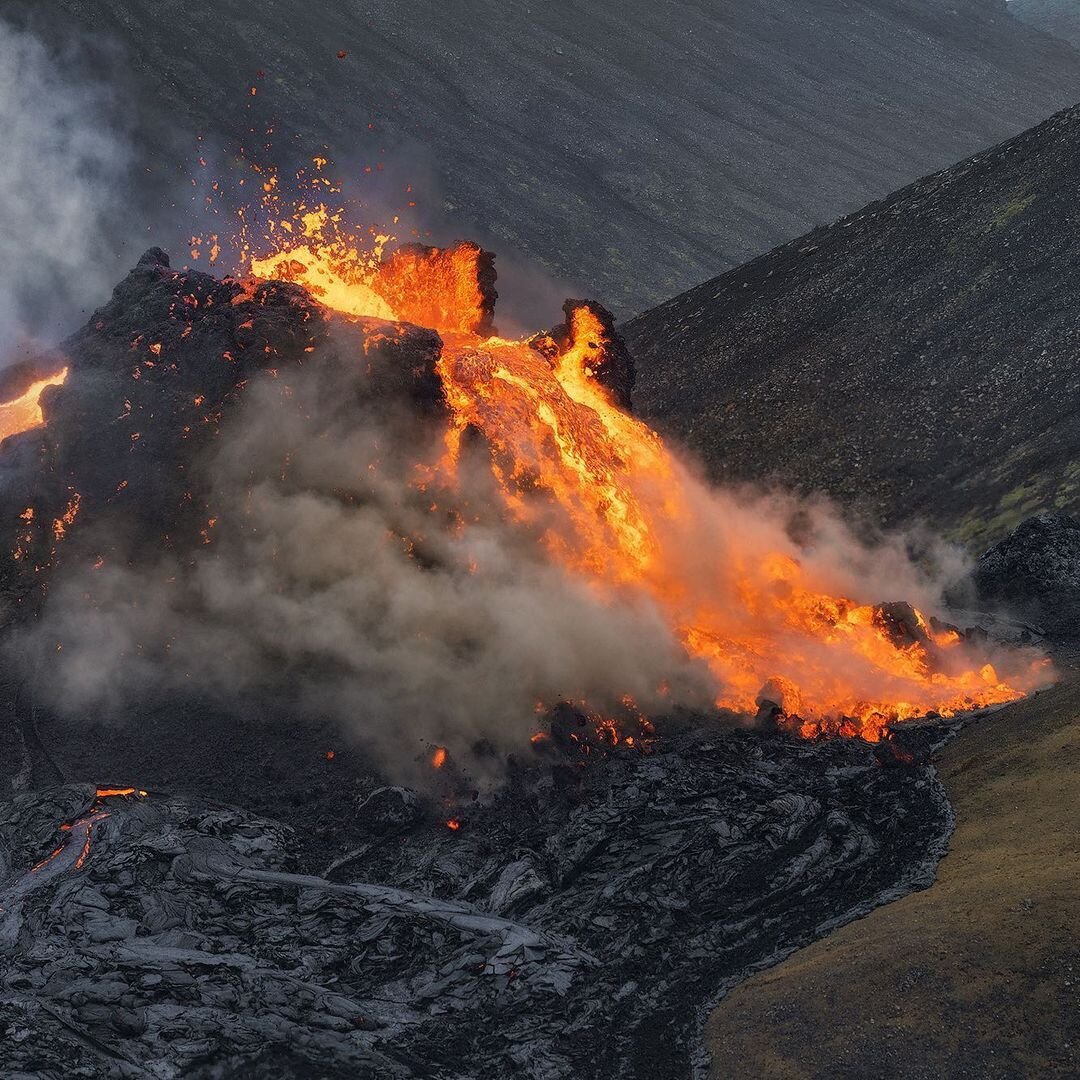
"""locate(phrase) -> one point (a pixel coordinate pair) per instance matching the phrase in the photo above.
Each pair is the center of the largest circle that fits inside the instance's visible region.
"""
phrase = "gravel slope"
(1058, 17)
(630, 149)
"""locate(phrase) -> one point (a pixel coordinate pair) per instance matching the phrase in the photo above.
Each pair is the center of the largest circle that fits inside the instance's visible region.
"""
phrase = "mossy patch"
(1012, 209)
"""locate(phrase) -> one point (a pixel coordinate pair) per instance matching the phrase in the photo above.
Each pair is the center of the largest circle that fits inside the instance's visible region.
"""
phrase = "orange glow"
(625, 515)
(24, 412)
(110, 793)
(453, 824)
(438, 759)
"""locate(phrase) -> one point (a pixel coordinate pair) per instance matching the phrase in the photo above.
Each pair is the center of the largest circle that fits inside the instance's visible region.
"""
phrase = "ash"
(577, 925)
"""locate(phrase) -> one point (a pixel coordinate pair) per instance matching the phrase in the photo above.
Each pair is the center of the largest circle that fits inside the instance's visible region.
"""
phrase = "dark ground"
(630, 149)
(915, 359)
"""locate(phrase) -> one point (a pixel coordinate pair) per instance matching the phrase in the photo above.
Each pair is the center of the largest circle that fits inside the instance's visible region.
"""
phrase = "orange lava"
(438, 759)
(620, 511)
(112, 793)
(24, 412)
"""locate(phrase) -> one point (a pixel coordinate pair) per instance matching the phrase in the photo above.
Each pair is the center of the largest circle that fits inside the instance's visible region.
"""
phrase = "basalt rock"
(564, 935)
(151, 378)
(1035, 573)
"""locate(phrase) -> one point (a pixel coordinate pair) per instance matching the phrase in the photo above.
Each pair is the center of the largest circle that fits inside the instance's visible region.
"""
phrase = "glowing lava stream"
(24, 412)
(71, 855)
(627, 516)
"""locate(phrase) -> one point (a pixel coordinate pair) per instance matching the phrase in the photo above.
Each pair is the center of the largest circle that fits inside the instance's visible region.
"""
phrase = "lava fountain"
(614, 506)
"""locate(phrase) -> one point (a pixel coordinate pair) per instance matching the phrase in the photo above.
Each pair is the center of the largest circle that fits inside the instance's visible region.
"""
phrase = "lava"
(614, 506)
(24, 412)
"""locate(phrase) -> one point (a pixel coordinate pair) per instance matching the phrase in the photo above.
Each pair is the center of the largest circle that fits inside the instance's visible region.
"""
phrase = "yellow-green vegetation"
(1016, 206)
(978, 976)
(985, 525)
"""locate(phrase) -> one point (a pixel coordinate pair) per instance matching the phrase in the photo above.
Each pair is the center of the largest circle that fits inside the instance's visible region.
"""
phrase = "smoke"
(344, 580)
(332, 589)
(62, 172)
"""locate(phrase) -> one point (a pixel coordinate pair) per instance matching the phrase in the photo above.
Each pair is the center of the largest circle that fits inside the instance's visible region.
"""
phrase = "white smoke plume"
(331, 588)
(62, 173)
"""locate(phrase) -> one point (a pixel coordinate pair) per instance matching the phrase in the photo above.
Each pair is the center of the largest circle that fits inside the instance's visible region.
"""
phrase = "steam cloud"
(331, 588)
(62, 169)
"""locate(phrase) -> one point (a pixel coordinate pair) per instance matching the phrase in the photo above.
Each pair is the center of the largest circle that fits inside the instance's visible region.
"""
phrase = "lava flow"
(615, 507)
(23, 412)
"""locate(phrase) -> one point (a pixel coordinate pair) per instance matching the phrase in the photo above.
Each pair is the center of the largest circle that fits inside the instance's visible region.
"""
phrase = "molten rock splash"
(615, 508)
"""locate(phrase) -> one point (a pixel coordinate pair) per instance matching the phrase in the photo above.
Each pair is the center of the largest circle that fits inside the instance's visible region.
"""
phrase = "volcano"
(511, 908)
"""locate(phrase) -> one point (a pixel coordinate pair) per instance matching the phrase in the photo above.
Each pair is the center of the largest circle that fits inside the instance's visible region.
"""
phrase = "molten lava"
(613, 505)
(24, 412)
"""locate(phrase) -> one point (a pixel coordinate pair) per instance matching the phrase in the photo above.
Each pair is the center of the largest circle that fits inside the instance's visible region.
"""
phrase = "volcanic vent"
(503, 481)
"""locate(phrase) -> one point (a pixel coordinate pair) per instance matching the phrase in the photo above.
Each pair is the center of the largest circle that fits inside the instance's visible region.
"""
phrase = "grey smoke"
(308, 595)
(62, 174)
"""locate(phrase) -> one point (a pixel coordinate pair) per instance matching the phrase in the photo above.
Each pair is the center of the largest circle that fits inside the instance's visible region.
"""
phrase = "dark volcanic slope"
(1059, 17)
(632, 147)
(919, 357)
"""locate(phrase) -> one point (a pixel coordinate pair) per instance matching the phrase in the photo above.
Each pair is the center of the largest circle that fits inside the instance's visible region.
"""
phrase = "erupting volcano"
(609, 502)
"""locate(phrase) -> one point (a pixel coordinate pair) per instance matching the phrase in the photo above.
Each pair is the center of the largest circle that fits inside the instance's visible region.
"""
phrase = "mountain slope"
(1058, 17)
(916, 358)
(631, 149)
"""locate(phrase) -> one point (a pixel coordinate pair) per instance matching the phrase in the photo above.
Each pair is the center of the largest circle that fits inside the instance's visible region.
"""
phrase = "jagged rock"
(1035, 573)
(610, 361)
(390, 807)
(152, 376)
(504, 949)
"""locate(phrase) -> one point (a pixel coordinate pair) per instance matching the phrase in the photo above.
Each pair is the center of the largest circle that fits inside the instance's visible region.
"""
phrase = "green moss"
(1016, 206)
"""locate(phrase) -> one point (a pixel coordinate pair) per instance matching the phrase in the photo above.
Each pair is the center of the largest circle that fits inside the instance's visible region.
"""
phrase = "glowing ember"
(438, 759)
(24, 412)
(453, 824)
(620, 511)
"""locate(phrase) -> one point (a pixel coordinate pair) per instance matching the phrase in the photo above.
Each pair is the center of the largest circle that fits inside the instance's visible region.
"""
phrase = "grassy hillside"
(977, 978)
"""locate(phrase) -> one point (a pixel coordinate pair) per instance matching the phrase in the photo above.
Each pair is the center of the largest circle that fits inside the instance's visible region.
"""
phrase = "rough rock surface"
(916, 358)
(151, 377)
(633, 148)
(568, 929)
(1035, 572)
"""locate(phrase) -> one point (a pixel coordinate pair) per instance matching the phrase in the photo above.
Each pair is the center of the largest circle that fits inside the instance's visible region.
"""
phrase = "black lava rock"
(1035, 572)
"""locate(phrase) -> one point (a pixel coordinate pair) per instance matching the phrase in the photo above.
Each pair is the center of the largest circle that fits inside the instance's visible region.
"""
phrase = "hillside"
(630, 149)
(1058, 17)
(916, 358)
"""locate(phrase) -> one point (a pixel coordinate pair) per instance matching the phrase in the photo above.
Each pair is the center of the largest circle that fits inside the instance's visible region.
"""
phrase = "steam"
(332, 588)
(61, 171)
(327, 588)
